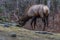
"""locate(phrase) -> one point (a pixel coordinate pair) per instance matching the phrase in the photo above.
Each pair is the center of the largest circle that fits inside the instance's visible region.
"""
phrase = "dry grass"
(24, 34)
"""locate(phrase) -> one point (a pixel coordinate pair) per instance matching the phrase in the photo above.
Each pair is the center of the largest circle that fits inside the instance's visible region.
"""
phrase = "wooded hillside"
(8, 6)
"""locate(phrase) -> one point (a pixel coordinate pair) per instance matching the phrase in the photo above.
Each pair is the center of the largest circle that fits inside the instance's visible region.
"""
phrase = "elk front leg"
(33, 21)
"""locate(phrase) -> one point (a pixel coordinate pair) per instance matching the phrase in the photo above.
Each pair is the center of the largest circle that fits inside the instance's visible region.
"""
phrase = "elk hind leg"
(47, 21)
(44, 21)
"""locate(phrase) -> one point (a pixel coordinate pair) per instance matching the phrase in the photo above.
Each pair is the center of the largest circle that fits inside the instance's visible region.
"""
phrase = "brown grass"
(24, 34)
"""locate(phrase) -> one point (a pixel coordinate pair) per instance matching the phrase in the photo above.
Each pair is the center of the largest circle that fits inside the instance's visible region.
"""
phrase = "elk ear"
(21, 18)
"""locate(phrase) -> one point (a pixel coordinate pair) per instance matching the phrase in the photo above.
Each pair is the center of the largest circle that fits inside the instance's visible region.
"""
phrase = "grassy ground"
(24, 34)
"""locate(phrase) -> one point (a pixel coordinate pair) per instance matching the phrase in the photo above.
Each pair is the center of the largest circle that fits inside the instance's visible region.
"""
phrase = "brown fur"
(36, 11)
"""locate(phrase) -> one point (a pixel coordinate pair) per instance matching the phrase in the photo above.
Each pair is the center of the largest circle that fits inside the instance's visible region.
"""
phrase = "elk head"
(23, 19)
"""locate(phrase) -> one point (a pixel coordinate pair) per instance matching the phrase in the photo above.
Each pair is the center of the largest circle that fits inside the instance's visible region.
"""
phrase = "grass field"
(24, 34)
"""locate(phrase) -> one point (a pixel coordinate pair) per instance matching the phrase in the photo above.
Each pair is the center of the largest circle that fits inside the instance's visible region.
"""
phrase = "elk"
(34, 12)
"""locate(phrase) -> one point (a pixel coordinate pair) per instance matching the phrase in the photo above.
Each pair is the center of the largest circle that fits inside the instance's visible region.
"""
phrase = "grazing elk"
(34, 12)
